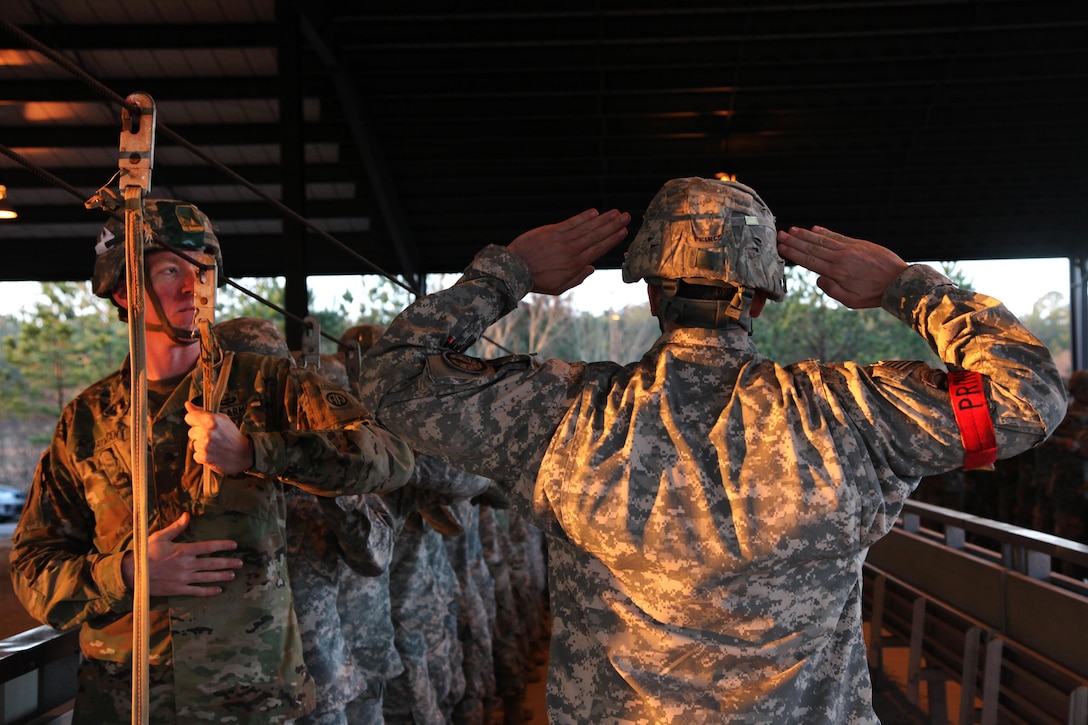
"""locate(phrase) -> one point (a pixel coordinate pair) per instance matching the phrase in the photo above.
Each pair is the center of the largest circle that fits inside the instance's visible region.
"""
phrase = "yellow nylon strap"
(135, 160)
(211, 356)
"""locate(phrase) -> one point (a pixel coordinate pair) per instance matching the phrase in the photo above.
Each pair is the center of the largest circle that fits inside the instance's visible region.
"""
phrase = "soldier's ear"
(653, 292)
(120, 296)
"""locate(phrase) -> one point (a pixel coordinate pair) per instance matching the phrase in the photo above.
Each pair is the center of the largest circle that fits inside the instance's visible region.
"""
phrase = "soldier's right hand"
(183, 568)
(559, 256)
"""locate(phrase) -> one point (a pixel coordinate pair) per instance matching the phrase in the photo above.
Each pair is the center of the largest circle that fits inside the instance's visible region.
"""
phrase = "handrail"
(1026, 551)
(21, 652)
(1055, 546)
(37, 674)
(54, 655)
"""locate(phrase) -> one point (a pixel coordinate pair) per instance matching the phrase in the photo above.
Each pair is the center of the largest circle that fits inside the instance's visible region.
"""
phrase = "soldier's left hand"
(852, 271)
(217, 442)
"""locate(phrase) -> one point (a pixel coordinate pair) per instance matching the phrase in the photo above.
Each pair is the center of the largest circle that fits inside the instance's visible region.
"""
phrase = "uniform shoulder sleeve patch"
(464, 363)
(456, 365)
(337, 399)
(932, 377)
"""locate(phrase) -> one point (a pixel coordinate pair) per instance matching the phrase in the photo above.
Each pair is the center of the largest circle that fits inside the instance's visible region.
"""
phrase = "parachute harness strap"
(214, 366)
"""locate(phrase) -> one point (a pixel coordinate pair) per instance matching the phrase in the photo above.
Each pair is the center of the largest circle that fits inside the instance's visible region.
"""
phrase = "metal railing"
(988, 610)
(984, 573)
(38, 676)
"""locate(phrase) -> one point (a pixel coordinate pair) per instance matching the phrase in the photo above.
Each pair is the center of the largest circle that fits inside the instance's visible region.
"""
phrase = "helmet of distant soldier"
(168, 224)
(707, 232)
(332, 368)
(364, 336)
(252, 334)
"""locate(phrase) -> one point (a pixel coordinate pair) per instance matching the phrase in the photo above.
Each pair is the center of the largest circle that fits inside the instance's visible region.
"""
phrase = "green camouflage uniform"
(709, 510)
(235, 657)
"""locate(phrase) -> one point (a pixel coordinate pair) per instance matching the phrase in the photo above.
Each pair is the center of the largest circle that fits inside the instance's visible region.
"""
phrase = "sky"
(1017, 283)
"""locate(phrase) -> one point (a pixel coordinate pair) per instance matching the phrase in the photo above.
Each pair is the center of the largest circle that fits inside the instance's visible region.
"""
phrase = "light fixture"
(723, 176)
(7, 211)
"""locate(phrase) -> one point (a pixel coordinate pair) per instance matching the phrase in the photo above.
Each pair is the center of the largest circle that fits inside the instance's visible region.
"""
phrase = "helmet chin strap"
(179, 335)
(728, 314)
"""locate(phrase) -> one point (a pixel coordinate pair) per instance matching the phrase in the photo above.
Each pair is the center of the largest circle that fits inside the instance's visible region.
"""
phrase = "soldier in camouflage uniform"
(367, 621)
(318, 533)
(1061, 464)
(322, 534)
(224, 637)
(526, 562)
(422, 677)
(709, 510)
(453, 515)
(474, 606)
(423, 591)
(507, 631)
(364, 601)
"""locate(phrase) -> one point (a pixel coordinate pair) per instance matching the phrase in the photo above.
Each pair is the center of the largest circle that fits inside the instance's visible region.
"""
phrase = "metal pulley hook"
(352, 352)
(311, 343)
(137, 148)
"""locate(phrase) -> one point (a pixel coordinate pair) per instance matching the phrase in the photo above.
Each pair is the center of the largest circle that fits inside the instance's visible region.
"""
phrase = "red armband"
(973, 417)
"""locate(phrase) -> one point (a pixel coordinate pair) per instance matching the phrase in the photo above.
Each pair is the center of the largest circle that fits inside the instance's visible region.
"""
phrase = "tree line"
(69, 338)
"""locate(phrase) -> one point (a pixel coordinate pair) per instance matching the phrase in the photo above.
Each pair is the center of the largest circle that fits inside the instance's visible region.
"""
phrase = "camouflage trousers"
(333, 716)
(104, 697)
(366, 709)
(105, 694)
(431, 684)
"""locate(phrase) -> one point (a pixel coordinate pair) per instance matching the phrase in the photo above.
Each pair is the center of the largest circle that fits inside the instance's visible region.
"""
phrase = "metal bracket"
(311, 343)
(204, 289)
(137, 145)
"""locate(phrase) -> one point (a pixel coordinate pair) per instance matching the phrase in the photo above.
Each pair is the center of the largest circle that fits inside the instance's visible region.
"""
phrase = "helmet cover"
(708, 232)
(364, 335)
(168, 224)
(252, 334)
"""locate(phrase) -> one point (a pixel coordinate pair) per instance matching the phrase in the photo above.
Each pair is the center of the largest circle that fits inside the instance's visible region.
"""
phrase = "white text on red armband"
(968, 398)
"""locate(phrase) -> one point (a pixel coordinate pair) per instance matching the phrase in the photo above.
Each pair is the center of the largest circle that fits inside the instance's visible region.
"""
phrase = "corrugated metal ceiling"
(420, 130)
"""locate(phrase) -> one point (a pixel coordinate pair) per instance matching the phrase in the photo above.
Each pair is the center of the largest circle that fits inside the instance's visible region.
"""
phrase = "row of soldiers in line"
(426, 604)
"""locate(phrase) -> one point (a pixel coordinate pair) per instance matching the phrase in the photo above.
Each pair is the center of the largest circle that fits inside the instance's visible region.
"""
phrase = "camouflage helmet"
(364, 336)
(168, 224)
(332, 368)
(707, 232)
(252, 334)
(355, 341)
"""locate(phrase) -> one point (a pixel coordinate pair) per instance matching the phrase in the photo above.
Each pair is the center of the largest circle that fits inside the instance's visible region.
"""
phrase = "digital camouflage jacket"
(709, 510)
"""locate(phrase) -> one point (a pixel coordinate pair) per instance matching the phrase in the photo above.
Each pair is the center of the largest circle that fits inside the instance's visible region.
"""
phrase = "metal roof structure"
(410, 134)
